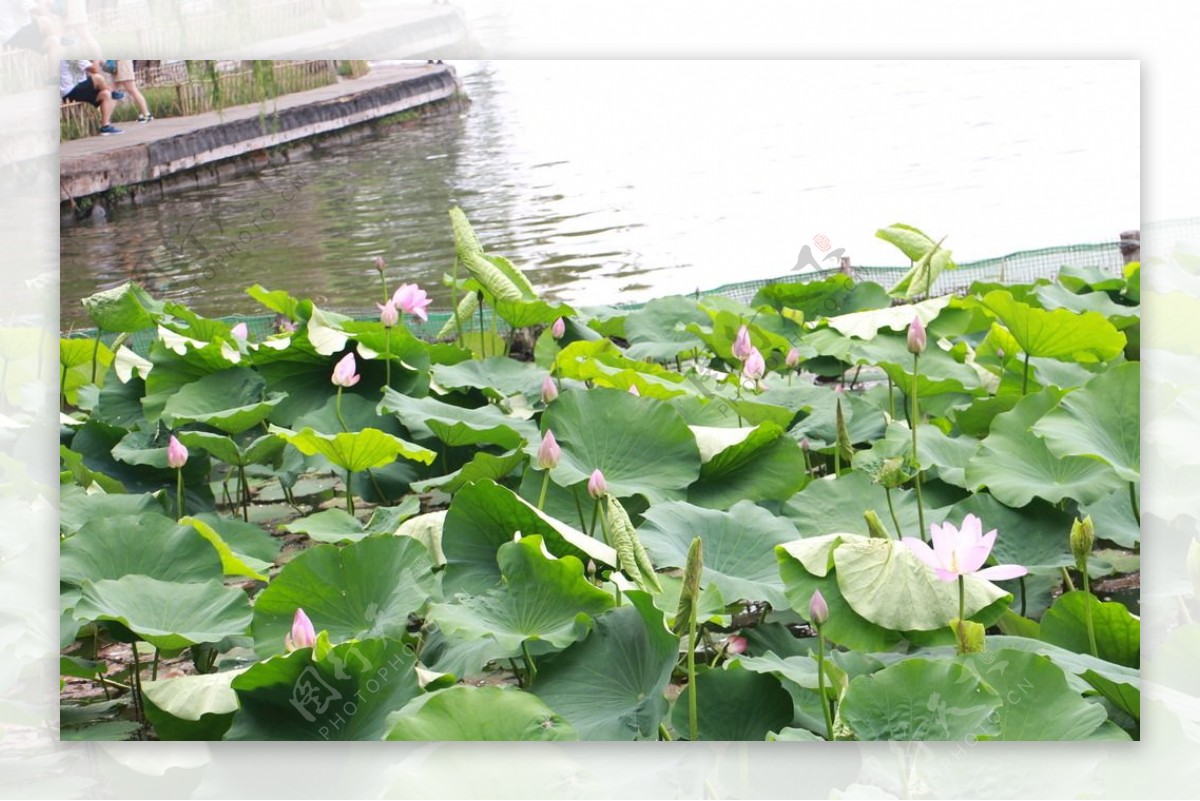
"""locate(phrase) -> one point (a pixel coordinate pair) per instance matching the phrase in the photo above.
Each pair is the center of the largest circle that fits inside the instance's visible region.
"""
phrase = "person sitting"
(82, 82)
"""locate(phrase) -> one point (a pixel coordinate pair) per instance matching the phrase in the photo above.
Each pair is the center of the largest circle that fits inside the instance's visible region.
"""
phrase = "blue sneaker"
(118, 94)
(109, 130)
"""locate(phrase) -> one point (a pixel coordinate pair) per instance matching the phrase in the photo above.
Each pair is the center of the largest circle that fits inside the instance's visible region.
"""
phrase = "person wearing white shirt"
(81, 81)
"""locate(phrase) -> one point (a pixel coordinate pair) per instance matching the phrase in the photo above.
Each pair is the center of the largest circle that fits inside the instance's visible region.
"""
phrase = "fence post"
(1131, 246)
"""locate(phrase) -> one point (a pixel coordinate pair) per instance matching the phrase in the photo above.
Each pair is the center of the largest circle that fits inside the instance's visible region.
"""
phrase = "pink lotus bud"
(380, 263)
(177, 453)
(559, 328)
(916, 336)
(736, 644)
(755, 367)
(549, 452)
(793, 358)
(389, 315)
(742, 345)
(240, 331)
(597, 487)
(303, 635)
(633, 390)
(345, 374)
(818, 610)
(549, 389)
(411, 299)
(805, 444)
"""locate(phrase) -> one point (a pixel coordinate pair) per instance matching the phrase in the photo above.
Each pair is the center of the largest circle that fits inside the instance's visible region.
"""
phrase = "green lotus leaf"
(1113, 518)
(610, 686)
(603, 363)
(498, 377)
(641, 445)
(919, 699)
(524, 313)
(261, 450)
(231, 400)
(75, 363)
(658, 330)
(152, 545)
(168, 614)
(738, 546)
(119, 403)
(75, 470)
(485, 516)
(77, 507)
(329, 525)
(1090, 277)
(825, 298)
(427, 530)
(864, 421)
(540, 598)
(935, 449)
(866, 324)
(1056, 296)
(938, 371)
(127, 308)
(733, 705)
(199, 707)
(472, 713)
(1036, 701)
(763, 465)
(454, 425)
(831, 505)
(347, 694)
(1059, 334)
(366, 589)
(232, 562)
(789, 734)
(1016, 465)
(1118, 633)
(483, 466)
(356, 450)
(277, 301)
(1100, 421)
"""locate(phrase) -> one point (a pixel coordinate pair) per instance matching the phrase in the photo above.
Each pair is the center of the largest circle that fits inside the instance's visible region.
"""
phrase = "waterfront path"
(170, 146)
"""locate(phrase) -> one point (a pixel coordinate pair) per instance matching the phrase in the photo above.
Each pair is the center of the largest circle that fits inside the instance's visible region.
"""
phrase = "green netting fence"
(1015, 268)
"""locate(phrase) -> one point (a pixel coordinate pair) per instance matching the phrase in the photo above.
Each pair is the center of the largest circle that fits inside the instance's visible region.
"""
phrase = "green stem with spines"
(178, 493)
(1087, 613)
(916, 421)
(825, 702)
(545, 486)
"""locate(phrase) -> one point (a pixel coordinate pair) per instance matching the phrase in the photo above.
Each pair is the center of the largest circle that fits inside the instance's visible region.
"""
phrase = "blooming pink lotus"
(302, 635)
(548, 452)
(755, 366)
(961, 552)
(177, 453)
(742, 345)
(411, 299)
(597, 487)
(345, 373)
(389, 315)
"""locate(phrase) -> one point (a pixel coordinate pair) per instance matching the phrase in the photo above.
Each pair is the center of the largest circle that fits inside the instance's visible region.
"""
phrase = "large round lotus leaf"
(763, 465)
(168, 614)
(366, 589)
(1113, 518)
(196, 707)
(260, 450)
(540, 598)
(1101, 421)
(1037, 703)
(1118, 633)
(77, 508)
(935, 449)
(837, 504)
(1058, 334)
(1057, 296)
(483, 466)
(346, 694)
(641, 445)
(498, 377)
(484, 516)
(233, 562)
(823, 298)
(610, 686)
(658, 330)
(146, 544)
(465, 712)
(356, 450)
(866, 324)
(232, 400)
(454, 425)
(739, 546)
(733, 705)
(603, 363)
(938, 370)
(1016, 465)
(864, 421)
(920, 700)
(75, 363)
(127, 307)
(885, 583)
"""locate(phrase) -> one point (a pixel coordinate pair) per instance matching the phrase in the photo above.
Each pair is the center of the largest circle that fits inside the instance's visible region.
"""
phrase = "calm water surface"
(626, 180)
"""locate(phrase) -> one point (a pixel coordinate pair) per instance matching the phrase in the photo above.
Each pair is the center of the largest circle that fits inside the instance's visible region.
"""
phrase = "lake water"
(626, 180)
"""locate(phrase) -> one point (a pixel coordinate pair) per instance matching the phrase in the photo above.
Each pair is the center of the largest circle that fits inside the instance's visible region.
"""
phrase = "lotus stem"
(135, 683)
(663, 734)
(1070, 585)
(95, 353)
(383, 281)
(338, 409)
(154, 666)
(578, 508)
(693, 707)
(604, 531)
(349, 493)
(545, 486)
(595, 514)
(482, 340)
(62, 387)
(244, 493)
(916, 421)
(1087, 612)
(454, 301)
(387, 353)
(891, 399)
(1133, 502)
(1025, 375)
(530, 667)
(825, 702)
(887, 491)
(1024, 594)
(178, 493)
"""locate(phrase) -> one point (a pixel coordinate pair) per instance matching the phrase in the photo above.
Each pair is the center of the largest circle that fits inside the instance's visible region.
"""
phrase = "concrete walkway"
(153, 151)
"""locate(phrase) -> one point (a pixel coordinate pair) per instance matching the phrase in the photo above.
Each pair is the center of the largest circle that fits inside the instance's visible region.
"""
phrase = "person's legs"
(131, 89)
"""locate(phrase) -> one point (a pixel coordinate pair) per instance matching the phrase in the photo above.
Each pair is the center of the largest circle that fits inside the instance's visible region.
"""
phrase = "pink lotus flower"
(597, 487)
(411, 299)
(633, 390)
(559, 328)
(736, 644)
(548, 452)
(389, 315)
(742, 345)
(754, 366)
(962, 552)
(916, 336)
(549, 389)
(345, 374)
(302, 635)
(240, 331)
(792, 360)
(177, 453)
(818, 609)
